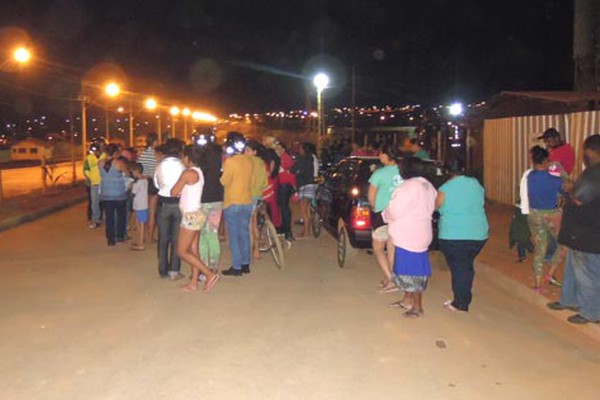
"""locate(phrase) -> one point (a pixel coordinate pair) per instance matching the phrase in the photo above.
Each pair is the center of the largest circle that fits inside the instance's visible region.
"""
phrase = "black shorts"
(152, 189)
(376, 220)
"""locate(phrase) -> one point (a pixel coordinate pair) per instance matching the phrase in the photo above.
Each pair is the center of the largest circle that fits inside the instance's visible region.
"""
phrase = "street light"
(321, 82)
(186, 113)
(151, 105)
(174, 111)
(112, 89)
(456, 109)
(22, 55)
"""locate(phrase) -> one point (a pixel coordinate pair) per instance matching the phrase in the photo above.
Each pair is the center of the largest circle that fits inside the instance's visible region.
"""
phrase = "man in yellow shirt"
(237, 180)
(92, 182)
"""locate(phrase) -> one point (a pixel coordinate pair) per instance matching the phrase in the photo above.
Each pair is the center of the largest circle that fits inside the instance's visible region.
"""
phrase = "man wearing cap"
(580, 232)
(560, 151)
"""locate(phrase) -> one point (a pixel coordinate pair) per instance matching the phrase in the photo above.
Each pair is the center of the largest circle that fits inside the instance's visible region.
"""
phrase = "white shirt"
(167, 174)
(140, 193)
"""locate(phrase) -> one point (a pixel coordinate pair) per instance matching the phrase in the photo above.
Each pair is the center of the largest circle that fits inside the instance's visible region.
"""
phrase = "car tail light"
(360, 218)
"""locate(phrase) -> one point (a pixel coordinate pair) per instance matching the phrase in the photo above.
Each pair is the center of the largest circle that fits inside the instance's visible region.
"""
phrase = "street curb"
(32, 216)
(526, 294)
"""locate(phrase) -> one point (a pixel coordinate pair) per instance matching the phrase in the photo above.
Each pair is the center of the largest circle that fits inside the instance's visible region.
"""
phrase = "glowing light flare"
(150, 104)
(321, 81)
(174, 111)
(186, 112)
(204, 117)
(456, 109)
(22, 55)
(112, 89)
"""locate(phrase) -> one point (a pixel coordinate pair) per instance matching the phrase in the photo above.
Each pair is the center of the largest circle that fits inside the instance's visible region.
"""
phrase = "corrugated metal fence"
(507, 142)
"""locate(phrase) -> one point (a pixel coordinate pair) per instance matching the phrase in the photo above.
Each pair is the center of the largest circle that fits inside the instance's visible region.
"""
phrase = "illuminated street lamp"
(456, 109)
(22, 55)
(186, 113)
(112, 89)
(151, 104)
(174, 111)
(321, 82)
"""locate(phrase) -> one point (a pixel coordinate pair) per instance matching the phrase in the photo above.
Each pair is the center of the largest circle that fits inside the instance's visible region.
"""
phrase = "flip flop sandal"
(390, 289)
(413, 314)
(399, 304)
(212, 282)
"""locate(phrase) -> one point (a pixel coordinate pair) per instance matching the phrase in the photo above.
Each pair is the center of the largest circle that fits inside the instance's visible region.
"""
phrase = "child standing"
(139, 190)
(189, 187)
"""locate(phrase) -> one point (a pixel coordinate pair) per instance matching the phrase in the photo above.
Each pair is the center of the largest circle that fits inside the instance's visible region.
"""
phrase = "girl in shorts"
(189, 188)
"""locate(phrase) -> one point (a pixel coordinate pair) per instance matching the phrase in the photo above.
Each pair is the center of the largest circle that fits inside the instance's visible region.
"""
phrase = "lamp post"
(321, 82)
(151, 105)
(174, 111)
(185, 113)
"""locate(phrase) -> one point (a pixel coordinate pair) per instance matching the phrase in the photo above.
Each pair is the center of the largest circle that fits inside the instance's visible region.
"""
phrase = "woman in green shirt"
(383, 182)
(463, 231)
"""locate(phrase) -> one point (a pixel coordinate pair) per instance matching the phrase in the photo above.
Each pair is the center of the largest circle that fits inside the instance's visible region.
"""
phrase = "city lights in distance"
(204, 117)
(22, 55)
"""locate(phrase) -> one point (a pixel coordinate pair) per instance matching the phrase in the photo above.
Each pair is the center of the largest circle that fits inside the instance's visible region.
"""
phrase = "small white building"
(30, 149)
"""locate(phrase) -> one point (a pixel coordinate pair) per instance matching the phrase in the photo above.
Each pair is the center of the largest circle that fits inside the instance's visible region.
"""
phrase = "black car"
(343, 209)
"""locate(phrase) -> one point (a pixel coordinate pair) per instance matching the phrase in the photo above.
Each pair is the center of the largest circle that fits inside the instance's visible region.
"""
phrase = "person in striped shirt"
(148, 160)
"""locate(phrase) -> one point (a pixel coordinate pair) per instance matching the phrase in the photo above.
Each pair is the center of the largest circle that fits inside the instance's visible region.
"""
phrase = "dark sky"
(250, 55)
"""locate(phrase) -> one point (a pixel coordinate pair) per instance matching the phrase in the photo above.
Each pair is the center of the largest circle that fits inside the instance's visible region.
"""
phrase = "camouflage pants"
(541, 224)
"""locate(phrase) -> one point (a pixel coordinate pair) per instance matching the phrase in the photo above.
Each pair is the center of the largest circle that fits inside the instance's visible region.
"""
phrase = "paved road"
(21, 181)
(81, 321)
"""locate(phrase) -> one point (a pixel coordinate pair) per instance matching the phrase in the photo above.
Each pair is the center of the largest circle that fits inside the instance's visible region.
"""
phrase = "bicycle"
(268, 239)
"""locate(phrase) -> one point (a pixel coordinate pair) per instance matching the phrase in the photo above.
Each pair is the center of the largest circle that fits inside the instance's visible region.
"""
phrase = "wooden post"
(44, 185)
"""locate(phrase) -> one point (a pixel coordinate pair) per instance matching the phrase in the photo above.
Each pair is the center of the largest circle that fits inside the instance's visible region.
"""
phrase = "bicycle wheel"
(264, 239)
(316, 222)
(276, 247)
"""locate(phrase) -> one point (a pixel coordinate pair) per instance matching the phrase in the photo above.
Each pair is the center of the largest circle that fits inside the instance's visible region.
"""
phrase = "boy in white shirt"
(139, 189)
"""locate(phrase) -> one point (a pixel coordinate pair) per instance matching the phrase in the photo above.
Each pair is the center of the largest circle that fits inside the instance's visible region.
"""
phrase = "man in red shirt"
(560, 151)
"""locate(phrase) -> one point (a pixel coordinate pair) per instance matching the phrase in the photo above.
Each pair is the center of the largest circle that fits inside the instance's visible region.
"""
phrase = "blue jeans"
(95, 203)
(581, 283)
(460, 256)
(237, 218)
(168, 221)
(116, 222)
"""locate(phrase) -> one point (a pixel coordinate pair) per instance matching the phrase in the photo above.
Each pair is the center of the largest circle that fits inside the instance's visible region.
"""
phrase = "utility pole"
(131, 144)
(586, 45)
(353, 115)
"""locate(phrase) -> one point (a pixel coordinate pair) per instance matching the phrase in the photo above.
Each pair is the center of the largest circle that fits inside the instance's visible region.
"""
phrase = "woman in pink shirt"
(409, 225)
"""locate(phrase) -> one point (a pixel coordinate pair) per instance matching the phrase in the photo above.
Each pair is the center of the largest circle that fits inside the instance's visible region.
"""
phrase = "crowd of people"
(181, 192)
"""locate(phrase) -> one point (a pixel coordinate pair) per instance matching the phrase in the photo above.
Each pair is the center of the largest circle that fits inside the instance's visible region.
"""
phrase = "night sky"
(234, 55)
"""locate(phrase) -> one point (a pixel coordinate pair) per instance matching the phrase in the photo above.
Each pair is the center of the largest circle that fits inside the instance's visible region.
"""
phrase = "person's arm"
(439, 200)
(188, 177)
(227, 175)
(524, 193)
(371, 195)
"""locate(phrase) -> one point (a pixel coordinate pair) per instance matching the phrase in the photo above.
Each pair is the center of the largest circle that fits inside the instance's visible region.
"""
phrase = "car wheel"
(345, 252)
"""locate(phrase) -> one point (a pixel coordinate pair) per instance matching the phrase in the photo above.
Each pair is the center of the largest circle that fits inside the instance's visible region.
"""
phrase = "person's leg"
(448, 250)
(540, 241)
(174, 228)
(464, 295)
(417, 298)
(553, 222)
(88, 191)
(382, 260)
(187, 249)
(569, 296)
(521, 251)
(586, 267)
(244, 235)
(152, 204)
(305, 213)
(284, 196)
(109, 212)
(95, 195)
(254, 234)
(163, 240)
(121, 208)
(232, 220)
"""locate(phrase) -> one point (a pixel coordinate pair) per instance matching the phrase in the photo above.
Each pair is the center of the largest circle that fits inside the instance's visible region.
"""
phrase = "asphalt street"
(79, 320)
